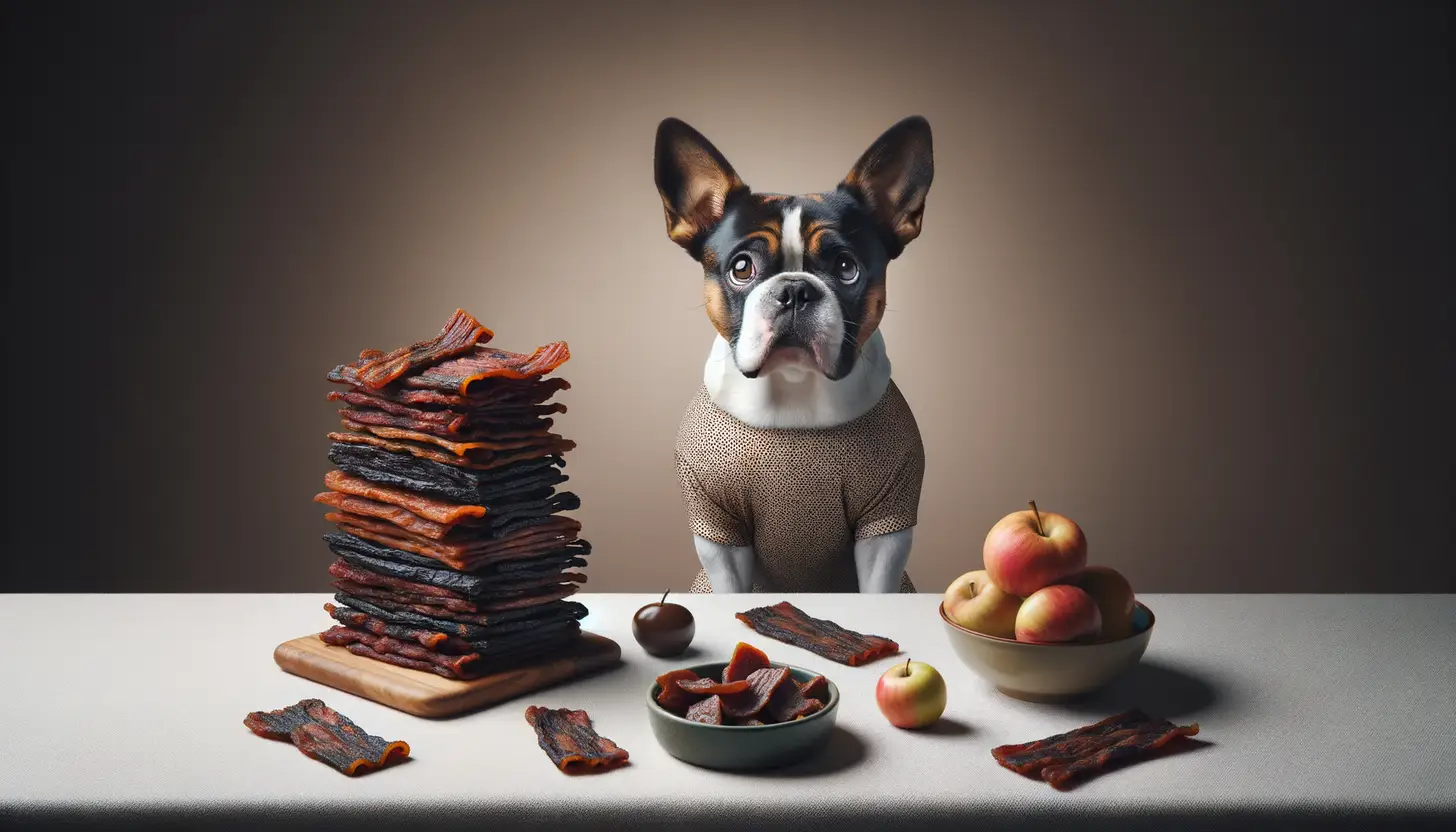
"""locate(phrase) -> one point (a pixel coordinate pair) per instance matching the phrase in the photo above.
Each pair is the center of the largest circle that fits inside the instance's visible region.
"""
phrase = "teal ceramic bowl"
(742, 747)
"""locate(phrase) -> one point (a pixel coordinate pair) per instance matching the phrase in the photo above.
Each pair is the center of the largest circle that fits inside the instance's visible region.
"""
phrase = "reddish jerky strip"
(344, 571)
(328, 736)
(1031, 757)
(489, 394)
(425, 638)
(483, 609)
(458, 448)
(761, 687)
(492, 624)
(459, 666)
(356, 398)
(375, 369)
(457, 375)
(1061, 758)
(745, 659)
(503, 589)
(712, 687)
(482, 431)
(1133, 745)
(671, 695)
(709, 711)
(569, 740)
(430, 508)
(816, 688)
(787, 623)
(402, 519)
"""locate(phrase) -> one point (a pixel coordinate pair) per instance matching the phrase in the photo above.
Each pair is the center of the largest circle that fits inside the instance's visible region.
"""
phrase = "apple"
(1028, 550)
(974, 602)
(1114, 598)
(1056, 613)
(911, 695)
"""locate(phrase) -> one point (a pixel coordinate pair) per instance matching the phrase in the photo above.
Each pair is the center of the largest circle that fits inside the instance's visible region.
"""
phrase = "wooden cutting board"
(425, 694)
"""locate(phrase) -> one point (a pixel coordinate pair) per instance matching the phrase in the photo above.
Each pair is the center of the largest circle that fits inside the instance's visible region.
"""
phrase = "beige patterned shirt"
(800, 498)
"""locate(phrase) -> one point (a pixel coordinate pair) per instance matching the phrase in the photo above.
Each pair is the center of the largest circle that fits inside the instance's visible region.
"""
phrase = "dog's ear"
(695, 182)
(892, 179)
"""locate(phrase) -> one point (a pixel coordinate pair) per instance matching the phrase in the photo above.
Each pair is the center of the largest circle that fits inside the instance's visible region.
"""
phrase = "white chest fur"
(796, 397)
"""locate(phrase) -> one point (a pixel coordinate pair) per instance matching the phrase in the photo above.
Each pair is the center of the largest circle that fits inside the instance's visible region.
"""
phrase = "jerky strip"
(481, 431)
(426, 507)
(486, 639)
(392, 599)
(523, 585)
(398, 564)
(1133, 745)
(458, 374)
(569, 740)
(499, 392)
(328, 736)
(555, 530)
(457, 448)
(401, 518)
(374, 369)
(468, 630)
(787, 623)
(1031, 757)
(462, 485)
(457, 665)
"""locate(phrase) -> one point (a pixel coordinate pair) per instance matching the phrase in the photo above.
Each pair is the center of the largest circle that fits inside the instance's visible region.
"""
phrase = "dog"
(799, 460)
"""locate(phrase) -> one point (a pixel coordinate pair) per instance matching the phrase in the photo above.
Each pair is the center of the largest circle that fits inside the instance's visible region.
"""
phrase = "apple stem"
(907, 667)
(1039, 530)
(664, 597)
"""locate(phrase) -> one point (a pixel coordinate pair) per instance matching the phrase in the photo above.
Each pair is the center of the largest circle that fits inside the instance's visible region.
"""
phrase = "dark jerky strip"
(485, 607)
(787, 623)
(474, 462)
(425, 638)
(374, 369)
(327, 736)
(466, 585)
(484, 667)
(1029, 758)
(459, 374)
(1061, 758)
(1134, 745)
(569, 740)
(671, 695)
(401, 564)
(503, 588)
(788, 703)
(709, 711)
(483, 639)
(463, 629)
(462, 485)
(456, 608)
(761, 687)
(712, 687)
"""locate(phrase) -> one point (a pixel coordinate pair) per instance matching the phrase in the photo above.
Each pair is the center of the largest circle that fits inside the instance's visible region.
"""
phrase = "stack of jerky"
(453, 556)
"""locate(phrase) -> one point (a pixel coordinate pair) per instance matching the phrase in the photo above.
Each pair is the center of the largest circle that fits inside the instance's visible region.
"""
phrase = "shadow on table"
(1158, 689)
(844, 751)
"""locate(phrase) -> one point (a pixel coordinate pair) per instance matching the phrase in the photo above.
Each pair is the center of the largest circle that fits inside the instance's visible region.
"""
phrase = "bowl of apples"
(1038, 622)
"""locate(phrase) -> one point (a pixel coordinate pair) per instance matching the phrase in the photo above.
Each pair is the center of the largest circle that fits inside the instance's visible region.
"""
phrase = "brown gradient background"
(1184, 273)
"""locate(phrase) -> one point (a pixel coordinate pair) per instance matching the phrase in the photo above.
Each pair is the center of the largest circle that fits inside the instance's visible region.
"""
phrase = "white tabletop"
(1313, 708)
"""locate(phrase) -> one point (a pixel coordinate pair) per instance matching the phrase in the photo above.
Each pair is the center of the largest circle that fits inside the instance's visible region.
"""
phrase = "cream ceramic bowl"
(1047, 672)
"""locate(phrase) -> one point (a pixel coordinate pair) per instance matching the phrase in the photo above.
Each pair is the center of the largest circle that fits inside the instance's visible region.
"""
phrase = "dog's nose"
(798, 293)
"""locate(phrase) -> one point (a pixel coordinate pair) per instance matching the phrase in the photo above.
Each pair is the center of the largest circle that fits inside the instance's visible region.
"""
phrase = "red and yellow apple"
(974, 602)
(911, 695)
(1058, 613)
(1028, 550)
(1114, 598)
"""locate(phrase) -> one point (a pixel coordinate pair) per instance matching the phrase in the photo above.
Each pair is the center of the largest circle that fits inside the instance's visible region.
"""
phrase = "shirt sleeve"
(708, 517)
(894, 503)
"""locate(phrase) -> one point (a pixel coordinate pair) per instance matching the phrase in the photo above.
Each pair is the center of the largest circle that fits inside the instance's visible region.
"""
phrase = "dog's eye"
(741, 270)
(845, 268)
